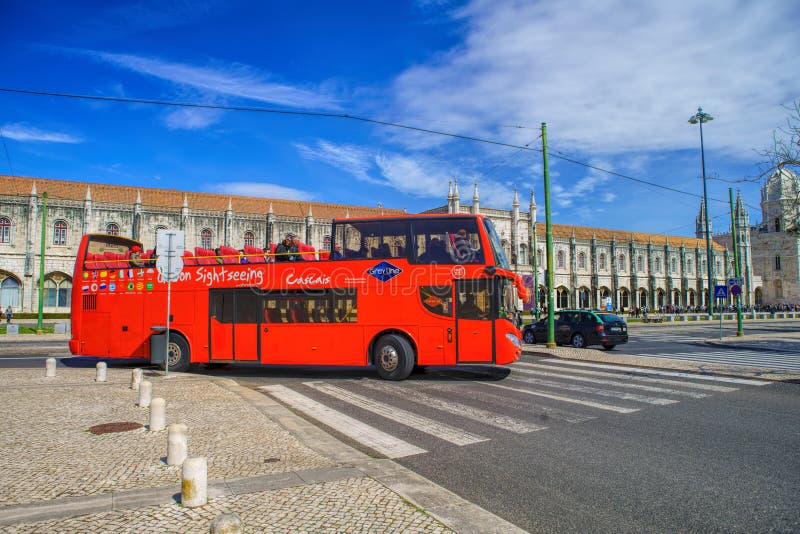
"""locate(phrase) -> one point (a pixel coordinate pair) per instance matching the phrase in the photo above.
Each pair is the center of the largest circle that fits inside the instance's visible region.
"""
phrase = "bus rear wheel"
(178, 353)
(393, 357)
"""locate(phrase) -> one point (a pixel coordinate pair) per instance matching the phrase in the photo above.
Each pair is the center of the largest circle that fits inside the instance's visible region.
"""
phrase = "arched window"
(57, 294)
(205, 238)
(778, 289)
(621, 262)
(581, 260)
(673, 265)
(560, 258)
(777, 263)
(112, 229)
(777, 224)
(60, 233)
(5, 230)
(624, 299)
(602, 262)
(9, 293)
(639, 264)
(523, 255)
(562, 300)
(249, 239)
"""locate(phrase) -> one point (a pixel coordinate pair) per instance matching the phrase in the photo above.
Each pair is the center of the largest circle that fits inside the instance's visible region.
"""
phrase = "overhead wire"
(252, 109)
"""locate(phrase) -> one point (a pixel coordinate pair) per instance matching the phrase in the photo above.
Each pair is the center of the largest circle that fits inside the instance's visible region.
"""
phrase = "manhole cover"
(108, 428)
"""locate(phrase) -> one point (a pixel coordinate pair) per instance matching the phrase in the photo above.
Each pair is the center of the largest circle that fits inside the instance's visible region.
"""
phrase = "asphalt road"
(552, 447)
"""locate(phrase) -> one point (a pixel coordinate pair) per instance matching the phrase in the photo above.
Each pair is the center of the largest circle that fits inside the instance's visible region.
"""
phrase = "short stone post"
(145, 393)
(194, 482)
(136, 379)
(227, 524)
(158, 416)
(177, 444)
(50, 367)
(100, 376)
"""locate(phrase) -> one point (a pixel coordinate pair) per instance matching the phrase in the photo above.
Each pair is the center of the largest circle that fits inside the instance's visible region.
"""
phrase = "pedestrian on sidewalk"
(9, 314)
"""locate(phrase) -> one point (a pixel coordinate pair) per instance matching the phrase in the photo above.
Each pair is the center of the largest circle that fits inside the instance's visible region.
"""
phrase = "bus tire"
(393, 357)
(178, 353)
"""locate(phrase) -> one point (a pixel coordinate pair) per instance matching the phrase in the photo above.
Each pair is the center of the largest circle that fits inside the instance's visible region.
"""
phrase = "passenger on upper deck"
(287, 250)
(464, 251)
(436, 253)
(136, 256)
(337, 253)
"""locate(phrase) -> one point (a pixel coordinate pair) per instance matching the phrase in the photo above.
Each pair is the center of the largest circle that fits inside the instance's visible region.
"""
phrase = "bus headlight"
(514, 339)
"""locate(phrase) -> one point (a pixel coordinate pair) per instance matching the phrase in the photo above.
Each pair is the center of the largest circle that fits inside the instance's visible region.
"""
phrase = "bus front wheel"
(393, 357)
(178, 353)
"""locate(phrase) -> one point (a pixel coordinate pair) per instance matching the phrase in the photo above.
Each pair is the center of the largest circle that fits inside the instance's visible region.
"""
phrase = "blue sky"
(615, 81)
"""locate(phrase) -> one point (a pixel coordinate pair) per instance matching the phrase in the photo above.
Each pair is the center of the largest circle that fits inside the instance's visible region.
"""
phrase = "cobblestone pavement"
(50, 456)
(352, 505)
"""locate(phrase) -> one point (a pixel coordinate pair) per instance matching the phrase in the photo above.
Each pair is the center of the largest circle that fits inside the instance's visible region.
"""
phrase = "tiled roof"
(173, 198)
(622, 237)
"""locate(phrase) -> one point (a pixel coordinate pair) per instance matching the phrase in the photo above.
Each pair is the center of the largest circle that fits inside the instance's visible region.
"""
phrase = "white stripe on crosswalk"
(595, 391)
(592, 404)
(617, 376)
(789, 362)
(615, 383)
(456, 408)
(417, 422)
(373, 438)
(746, 381)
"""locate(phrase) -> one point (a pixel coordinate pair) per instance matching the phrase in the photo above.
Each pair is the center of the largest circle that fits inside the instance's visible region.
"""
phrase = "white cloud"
(259, 189)
(351, 159)
(613, 76)
(224, 79)
(192, 119)
(22, 132)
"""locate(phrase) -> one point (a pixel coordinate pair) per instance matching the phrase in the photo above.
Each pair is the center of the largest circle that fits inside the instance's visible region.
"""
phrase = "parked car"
(580, 328)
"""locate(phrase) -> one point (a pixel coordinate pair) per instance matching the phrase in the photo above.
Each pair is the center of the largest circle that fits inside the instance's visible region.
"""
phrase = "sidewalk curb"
(457, 513)
(743, 346)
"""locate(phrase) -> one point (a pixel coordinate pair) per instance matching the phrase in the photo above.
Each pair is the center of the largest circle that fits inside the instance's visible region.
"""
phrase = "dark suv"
(580, 328)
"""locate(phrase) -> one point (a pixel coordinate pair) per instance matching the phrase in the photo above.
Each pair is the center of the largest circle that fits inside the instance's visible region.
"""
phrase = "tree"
(785, 149)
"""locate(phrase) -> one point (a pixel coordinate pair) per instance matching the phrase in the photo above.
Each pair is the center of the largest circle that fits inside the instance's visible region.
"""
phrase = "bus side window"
(474, 300)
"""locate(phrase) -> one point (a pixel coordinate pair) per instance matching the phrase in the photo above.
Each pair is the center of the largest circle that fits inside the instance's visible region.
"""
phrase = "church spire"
(476, 201)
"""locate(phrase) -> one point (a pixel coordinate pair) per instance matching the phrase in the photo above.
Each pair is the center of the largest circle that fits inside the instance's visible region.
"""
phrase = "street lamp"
(699, 118)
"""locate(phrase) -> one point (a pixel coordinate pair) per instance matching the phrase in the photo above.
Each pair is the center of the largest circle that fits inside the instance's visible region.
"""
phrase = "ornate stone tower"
(700, 222)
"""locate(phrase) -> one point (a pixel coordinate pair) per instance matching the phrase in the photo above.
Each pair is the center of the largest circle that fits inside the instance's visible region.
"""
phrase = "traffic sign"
(170, 246)
(735, 281)
(720, 292)
(736, 290)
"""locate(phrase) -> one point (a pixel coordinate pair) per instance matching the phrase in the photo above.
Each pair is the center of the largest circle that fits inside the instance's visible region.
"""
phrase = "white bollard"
(136, 379)
(227, 524)
(194, 482)
(50, 367)
(177, 444)
(158, 417)
(101, 372)
(145, 393)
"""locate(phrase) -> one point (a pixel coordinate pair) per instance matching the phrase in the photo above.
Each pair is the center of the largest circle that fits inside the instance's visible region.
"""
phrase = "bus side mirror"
(490, 270)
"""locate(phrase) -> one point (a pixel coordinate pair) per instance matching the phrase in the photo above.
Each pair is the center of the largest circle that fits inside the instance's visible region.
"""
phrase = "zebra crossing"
(400, 419)
(668, 337)
(782, 361)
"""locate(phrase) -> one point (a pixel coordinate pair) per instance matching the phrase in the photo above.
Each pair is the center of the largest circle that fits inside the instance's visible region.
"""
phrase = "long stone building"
(77, 208)
(590, 265)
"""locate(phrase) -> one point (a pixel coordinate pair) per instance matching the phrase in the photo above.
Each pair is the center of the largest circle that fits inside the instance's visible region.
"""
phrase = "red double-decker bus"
(393, 292)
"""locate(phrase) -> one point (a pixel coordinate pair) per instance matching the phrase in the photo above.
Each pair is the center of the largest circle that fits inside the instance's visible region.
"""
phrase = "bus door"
(474, 324)
(233, 324)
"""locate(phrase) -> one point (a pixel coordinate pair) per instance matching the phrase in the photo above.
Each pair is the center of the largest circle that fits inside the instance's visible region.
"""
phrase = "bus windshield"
(500, 259)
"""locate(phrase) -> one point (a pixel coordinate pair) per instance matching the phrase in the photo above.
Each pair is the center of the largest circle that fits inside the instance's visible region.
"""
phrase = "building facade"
(590, 265)
(76, 208)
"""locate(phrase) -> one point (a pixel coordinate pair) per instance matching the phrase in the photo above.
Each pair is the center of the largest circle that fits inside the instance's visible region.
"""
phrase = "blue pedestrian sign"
(720, 292)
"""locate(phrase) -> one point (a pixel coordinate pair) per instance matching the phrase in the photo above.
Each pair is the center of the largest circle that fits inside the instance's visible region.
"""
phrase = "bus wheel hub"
(388, 358)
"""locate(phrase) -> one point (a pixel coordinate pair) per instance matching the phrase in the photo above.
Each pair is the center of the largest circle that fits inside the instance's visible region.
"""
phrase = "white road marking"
(592, 404)
(617, 376)
(456, 408)
(373, 438)
(596, 391)
(637, 370)
(752, 358)
(615, 383)
(423, 424)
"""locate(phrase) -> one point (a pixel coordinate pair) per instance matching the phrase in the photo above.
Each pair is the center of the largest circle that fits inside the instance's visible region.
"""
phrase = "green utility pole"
(551, 331)
(535, 276)
(737, 270)
(39, 328)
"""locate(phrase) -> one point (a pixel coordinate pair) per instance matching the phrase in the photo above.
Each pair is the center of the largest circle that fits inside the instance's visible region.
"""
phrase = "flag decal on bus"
(384, 271)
